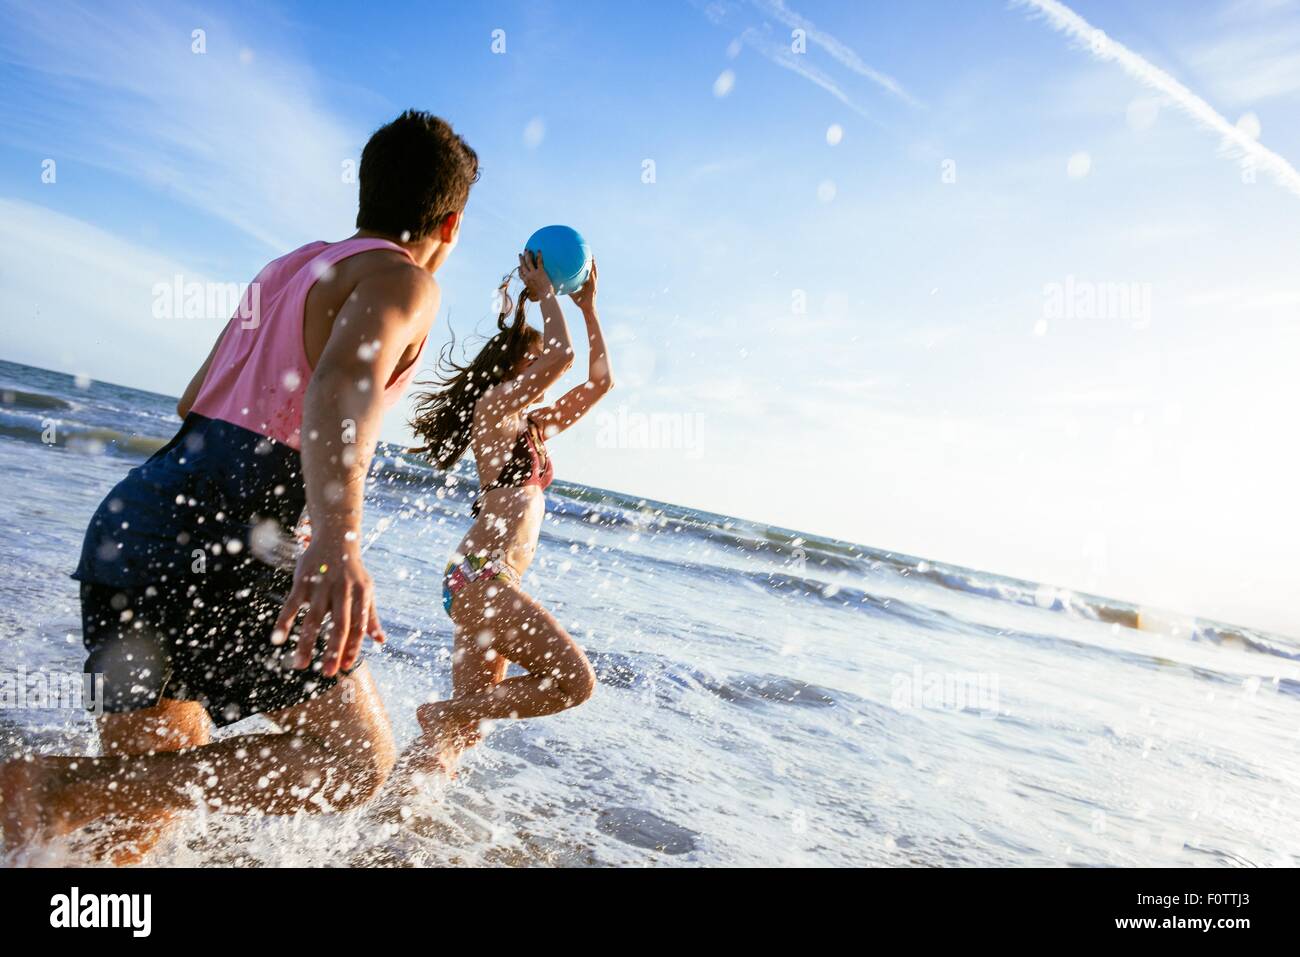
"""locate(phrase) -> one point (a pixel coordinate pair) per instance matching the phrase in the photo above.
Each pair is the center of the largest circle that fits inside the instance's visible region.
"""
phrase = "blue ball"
(565, 255)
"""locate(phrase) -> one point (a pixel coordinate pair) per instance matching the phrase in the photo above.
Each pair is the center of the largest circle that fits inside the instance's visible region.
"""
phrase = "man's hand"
(330, 580)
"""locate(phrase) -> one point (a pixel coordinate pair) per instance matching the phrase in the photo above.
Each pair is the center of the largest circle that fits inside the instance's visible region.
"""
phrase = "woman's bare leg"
(475, 668)
(475, 665)
(497, 623)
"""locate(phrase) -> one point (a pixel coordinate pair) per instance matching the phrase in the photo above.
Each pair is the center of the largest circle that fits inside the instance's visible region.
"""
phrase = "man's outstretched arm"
(340, 425)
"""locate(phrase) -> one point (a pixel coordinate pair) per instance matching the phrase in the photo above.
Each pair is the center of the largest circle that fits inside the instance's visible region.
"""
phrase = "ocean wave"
(17, 398)
(812, 565)
(668, 681)
(816, 567)
(90, 440)
(749, 690)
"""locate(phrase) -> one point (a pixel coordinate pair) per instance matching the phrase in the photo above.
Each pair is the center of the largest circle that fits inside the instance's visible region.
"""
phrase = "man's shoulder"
(387, 274)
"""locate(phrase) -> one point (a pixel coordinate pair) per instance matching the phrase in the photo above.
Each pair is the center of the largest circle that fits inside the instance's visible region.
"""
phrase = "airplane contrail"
(1103, 47)
(838, 51)
(782, 57)
(780, 53)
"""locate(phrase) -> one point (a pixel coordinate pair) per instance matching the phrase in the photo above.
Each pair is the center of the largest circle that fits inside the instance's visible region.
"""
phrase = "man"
(184, 611)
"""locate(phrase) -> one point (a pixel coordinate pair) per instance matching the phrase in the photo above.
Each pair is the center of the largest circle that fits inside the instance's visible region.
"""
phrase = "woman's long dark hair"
(444, 413)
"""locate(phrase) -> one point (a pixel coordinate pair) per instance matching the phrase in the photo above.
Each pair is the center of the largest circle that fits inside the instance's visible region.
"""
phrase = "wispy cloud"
(80, 298)
(780, 54)
(235, 132)
(838, 50)
(1255, 63)
(760, 39)
(1236, 142)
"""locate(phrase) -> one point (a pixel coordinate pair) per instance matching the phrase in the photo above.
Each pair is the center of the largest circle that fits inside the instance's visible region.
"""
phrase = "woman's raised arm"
(556, 358)
(579, 400)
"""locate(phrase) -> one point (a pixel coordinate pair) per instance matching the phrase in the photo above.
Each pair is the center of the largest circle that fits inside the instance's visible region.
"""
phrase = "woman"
(488, 405)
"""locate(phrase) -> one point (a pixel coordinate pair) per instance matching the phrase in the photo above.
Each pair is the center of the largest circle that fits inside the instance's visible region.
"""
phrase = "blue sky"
(840, 281)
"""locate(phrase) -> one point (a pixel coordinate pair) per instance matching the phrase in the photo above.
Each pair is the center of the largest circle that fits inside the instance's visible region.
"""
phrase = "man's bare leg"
(171, 725)
(333, 753)
(350, 726)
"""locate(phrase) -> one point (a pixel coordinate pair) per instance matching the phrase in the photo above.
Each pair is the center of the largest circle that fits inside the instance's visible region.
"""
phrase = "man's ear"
(448, 228)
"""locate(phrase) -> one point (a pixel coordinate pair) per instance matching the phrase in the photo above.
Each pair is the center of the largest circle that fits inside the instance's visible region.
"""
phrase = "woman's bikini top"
(528, 464)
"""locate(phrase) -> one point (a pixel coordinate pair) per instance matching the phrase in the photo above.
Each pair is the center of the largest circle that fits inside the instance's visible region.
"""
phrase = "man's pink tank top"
(259, 374)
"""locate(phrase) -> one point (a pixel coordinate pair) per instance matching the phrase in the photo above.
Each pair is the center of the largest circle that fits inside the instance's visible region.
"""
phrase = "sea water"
(765, 698)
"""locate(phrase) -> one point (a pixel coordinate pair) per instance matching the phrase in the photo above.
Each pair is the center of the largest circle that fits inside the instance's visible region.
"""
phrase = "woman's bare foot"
(439, 749)
(29, 814)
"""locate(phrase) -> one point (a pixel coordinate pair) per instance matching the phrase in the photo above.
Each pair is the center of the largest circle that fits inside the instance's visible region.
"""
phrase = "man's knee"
(362, 765)
(132, 671)
(353, 742)
(170, 725)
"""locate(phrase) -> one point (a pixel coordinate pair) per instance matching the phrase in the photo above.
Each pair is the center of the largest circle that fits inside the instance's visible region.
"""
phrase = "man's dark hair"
(414, 171)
